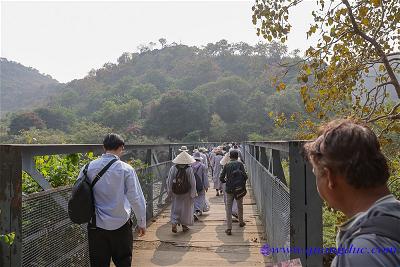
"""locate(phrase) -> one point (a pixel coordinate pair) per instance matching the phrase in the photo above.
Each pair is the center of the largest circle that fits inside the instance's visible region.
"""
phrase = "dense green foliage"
(8, 238)
(23, 87)
(177, 93)
(25, 121)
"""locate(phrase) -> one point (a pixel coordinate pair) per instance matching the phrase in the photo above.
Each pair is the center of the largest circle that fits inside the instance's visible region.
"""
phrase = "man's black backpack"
(181, 184)
(236, 184)
(81, 203)
(199, 182)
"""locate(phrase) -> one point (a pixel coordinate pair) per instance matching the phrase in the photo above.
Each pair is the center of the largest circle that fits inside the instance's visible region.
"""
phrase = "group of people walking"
(188, 183)
(351, 175)
(116, 192)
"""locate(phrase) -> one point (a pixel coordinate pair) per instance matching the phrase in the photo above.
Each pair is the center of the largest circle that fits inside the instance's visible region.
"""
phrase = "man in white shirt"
(116, 193)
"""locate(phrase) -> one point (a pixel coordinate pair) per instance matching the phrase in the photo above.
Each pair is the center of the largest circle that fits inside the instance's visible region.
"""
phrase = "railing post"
(263, 157)
(257, 153)
(11, 205)
(170, 155)
(277, 169)
(305, 208)
(251, 149)
(149, 187)
(243, 151)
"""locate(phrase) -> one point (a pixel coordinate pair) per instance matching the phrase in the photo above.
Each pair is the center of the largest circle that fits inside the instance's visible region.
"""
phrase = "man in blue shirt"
(116, 193)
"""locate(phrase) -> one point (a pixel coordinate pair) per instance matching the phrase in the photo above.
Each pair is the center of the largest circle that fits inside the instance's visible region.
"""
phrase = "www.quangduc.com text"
(266, 250)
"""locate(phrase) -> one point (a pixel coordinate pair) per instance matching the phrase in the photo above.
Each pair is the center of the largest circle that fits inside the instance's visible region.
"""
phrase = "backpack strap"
(92, 224)
(385, 225)
(86, 169)
(196, 169)
(98, 176)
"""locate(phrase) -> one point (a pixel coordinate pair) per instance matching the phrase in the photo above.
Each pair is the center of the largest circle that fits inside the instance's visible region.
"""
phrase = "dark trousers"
(106, 244)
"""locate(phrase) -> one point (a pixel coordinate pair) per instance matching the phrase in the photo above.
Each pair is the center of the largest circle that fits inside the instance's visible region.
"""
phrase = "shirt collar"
(109, 155)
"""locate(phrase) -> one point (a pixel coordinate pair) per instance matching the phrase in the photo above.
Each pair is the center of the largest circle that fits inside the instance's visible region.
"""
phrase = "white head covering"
(183, 148)
(225, 159)
(183, 158)
(197, 155)
(203, 149)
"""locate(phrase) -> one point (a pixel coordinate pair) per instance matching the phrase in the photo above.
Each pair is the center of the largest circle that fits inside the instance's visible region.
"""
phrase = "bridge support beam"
(257, 153)
(264, 157)
(277, 169)
(149, 187)
(305, 207)
(11, 205)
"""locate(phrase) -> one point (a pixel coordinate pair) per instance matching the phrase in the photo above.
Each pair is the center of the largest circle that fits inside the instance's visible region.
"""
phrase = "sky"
(67, 39)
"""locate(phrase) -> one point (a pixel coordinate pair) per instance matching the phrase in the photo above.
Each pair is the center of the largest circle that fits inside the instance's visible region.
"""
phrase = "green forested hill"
(23, 87)
(177, 92)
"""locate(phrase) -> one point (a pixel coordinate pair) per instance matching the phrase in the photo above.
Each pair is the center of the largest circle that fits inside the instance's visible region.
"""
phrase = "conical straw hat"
(183, 158)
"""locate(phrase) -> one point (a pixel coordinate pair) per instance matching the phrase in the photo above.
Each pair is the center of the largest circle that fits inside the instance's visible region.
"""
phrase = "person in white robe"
(200, 170)
(217, 170)
(182, 206)
(204, 158)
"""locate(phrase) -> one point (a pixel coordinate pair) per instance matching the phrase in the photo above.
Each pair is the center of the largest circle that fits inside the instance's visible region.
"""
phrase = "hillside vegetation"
(22, 87)
(218, 92)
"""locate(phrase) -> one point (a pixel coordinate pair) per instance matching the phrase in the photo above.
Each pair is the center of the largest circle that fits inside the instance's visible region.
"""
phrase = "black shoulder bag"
(81, 208)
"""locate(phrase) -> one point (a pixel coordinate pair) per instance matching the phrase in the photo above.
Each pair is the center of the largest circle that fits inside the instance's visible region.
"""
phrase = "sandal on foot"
(185, 228)
(174, 228)
(242, 224)
(228, 231)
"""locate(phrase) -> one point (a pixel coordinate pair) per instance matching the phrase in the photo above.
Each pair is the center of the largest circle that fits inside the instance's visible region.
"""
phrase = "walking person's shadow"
(239, 247)
(173, 246)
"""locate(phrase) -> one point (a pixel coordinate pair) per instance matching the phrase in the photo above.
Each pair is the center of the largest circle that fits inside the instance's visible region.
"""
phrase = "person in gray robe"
(200, 170)
(182, 206)
(211, 163)
(204, 159)
(217, 171)
(223, 162)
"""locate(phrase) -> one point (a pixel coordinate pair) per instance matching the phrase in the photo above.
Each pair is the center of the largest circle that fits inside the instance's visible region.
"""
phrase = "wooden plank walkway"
(206, 243)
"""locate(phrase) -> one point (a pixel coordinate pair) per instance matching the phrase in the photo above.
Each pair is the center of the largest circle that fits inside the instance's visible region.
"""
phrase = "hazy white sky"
(67, 39)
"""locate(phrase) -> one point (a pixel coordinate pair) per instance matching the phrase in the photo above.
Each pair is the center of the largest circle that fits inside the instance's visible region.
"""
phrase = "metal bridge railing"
(273, 203)
(287, 200)
(44, 235)
(49, 238)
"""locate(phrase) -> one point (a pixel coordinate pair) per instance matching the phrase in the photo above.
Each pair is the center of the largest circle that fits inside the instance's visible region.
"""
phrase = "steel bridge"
(283, 204)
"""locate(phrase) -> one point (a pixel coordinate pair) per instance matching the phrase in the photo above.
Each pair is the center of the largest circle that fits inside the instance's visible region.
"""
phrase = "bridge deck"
(206, 244)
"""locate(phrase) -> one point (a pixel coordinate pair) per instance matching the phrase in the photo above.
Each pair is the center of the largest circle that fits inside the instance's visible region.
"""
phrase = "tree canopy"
(353, 68)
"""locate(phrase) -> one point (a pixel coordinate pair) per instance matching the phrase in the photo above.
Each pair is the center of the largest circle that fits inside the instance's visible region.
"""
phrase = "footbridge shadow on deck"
(206, 243)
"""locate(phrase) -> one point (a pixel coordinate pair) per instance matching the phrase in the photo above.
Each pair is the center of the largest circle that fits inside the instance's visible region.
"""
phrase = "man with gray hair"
(351, 175)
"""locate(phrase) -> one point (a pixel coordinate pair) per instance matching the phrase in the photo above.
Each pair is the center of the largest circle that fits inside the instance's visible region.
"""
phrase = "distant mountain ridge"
(23, 88)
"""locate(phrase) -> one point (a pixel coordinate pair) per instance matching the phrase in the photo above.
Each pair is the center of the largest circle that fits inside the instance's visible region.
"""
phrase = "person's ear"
(331, 178)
